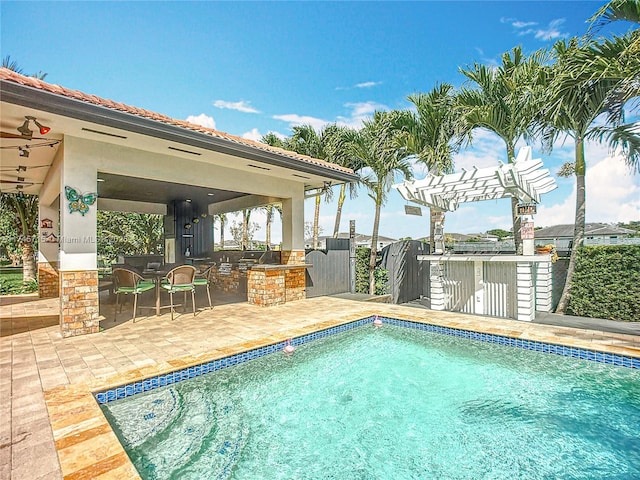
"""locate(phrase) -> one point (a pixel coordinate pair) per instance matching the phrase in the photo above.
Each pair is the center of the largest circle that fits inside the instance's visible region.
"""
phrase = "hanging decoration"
(79, 202)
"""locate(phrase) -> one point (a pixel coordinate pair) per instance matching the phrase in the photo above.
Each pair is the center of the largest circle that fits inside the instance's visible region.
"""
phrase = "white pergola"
(525, 179)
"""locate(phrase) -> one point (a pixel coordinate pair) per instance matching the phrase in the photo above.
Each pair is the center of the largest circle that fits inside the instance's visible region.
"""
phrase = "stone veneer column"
(79, 304)
(79, 311)
(292, 257)
(48, 280)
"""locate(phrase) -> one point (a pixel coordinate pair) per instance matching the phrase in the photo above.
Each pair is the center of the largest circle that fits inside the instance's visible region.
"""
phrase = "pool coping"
(87, 447)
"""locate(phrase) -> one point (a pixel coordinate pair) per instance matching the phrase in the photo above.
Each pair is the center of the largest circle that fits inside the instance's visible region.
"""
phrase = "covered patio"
(135, 160)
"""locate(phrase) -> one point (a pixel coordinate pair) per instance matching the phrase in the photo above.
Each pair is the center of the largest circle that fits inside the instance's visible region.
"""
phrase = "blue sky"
(248, 68)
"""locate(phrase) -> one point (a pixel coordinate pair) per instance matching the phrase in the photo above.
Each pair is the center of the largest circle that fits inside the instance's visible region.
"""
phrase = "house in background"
(594, 234)
(361, 240)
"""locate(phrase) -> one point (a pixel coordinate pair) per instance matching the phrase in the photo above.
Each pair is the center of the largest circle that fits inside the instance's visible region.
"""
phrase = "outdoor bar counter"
(259, 275)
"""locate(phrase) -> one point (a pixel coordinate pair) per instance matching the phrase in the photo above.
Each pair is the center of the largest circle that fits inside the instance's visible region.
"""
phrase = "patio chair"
(206, 279)
(180, 279)
(128, 282)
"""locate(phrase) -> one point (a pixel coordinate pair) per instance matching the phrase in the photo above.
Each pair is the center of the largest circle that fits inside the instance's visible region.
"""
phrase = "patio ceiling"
(134, 189)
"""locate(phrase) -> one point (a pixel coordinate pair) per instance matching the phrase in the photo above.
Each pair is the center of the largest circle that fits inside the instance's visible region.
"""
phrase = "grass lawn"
(11, 282)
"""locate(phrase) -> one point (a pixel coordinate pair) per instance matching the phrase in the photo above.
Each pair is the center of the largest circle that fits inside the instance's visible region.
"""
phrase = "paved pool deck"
(51, 426)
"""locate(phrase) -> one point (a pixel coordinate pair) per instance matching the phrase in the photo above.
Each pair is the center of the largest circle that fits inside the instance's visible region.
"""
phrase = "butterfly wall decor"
(79, 202)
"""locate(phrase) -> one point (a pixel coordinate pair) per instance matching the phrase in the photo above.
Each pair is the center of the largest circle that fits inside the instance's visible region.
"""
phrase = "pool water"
(392, 403)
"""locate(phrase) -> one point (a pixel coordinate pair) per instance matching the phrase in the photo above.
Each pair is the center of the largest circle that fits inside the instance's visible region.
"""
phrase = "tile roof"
(566, 230)
(11, 76)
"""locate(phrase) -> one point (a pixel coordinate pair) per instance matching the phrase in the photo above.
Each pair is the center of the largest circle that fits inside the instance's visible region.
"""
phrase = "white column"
(77, 229)
(436, 286)
(544, 286)
(525, 292)
(293, 222)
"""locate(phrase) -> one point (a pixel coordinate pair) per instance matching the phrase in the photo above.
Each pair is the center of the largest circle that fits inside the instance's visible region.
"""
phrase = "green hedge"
(606, 283)
(363, 255)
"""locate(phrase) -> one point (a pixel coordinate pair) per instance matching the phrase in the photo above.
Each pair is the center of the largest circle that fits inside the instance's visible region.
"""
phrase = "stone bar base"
(79, 310)
(48, 280)
(276, 284)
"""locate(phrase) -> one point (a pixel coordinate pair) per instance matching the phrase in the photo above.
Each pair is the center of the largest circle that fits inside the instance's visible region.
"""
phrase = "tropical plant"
(433, 136)
(13, 65)
(572, 109)
(506, 101)
(120, 233)
(222, 218)
(22, 212)
(243, 231)
(376, 148)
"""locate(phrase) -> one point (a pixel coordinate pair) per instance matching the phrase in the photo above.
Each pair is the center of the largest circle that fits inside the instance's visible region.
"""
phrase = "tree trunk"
(268, 227)
(341, 198)
(374, 250)
(578, 228)
(28, 262)
(316, 221)
(222, 225)
(515, 219)
(245, 229)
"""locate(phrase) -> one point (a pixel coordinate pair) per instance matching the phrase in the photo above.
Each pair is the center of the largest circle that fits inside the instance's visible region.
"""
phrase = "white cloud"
(295, 120)
(360, 112)
(202, 120)
(241, 106)
(367, 84)
(550, 32)
(612, 192)
(252, 134)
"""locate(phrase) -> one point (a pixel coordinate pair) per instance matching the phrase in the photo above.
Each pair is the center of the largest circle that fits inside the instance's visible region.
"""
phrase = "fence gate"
(329, 274)
(458, 285)
(500, 295)
(408, 279)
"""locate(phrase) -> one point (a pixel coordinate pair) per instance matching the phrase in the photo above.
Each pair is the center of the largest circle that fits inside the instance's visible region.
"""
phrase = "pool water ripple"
(390, 403)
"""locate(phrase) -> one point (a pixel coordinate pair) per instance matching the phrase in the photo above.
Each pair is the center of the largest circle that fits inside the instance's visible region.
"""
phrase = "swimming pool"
(389, 403)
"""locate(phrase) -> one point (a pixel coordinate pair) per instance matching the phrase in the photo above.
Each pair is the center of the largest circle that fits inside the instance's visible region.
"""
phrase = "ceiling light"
(211, 194)
(25, 130)
(100, 180)
(188, 200)
(43, 129)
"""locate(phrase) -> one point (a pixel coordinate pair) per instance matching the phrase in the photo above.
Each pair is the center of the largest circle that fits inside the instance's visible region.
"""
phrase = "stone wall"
(48, 280)
(79, 310)
(294, 284)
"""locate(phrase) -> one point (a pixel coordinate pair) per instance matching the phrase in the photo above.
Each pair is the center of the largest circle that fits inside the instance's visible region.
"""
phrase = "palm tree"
(270, 209)
(572, 109)
(433, 136)
(222, 218)
(23, 210)
(506, 101)
(323, 145)
(376, 148)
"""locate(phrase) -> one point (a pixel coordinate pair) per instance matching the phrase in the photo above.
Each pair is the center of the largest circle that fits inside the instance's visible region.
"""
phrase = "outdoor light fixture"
(23, 152)
(26, 131)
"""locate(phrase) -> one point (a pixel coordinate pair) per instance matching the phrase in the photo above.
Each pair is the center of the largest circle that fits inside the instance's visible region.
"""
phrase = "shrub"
(606, 283)
(362, 273)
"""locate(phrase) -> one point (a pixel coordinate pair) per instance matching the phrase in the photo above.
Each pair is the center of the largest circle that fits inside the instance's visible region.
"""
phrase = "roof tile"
(9, 75)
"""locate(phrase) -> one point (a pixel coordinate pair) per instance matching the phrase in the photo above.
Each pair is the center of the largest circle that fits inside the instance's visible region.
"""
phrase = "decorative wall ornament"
(79, 202)
(49, 238)
(46, 223)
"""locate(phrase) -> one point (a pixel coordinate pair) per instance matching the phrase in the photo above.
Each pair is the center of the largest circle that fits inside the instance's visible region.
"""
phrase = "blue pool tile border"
(238, 358)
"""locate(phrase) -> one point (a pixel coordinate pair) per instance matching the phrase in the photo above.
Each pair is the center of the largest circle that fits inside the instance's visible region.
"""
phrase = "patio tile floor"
(51, 424)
